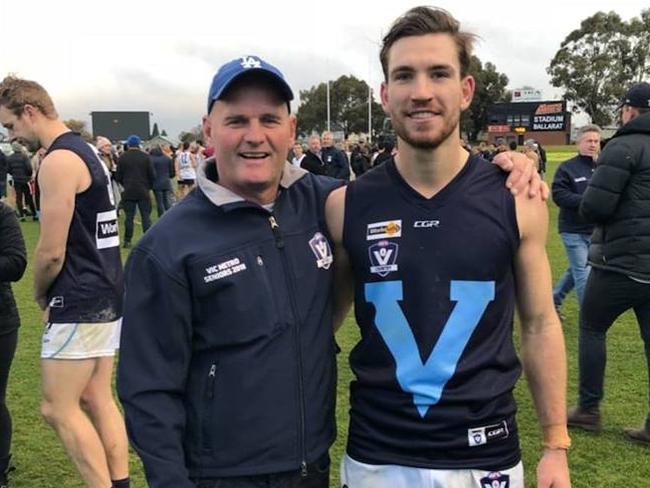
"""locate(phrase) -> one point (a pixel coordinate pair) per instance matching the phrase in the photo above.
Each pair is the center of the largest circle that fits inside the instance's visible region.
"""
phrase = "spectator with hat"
(136, 174)
(617, 202)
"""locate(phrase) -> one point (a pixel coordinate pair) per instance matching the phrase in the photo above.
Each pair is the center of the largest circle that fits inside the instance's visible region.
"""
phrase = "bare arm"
(542, 341)
(62, 175)
(343, 282)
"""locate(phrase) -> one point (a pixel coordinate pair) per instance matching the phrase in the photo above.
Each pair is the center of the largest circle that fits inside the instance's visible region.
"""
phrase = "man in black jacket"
(570, 182)
(313, 161)
(335, 160)
(20, 169)
(617, 201)
(136, 174)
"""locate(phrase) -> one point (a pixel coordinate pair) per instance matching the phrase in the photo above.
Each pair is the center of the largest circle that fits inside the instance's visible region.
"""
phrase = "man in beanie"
(617, 200)
(136, 174)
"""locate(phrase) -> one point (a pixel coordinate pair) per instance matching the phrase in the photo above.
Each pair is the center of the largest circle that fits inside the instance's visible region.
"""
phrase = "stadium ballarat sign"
(549, 117)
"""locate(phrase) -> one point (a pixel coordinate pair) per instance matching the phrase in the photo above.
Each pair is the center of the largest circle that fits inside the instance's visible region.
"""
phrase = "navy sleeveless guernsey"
(434, 300)
(90, 285)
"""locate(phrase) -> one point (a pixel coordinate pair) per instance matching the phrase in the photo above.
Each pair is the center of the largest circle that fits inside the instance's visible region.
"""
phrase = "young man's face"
(589, 144)
(425, 94)
(19, 128)
(251, 131)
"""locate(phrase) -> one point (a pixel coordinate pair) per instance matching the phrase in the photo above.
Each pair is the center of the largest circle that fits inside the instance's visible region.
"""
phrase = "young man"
(438, 263)
(78, 282)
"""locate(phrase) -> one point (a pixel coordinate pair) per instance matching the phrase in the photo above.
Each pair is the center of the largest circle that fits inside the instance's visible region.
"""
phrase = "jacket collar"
(207, 179)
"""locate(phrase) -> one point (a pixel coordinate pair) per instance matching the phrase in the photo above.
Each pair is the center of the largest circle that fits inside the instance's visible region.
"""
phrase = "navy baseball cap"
(637, 96)
(236, 68)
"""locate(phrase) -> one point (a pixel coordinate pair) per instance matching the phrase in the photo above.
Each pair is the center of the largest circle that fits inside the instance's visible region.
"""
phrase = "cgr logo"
(426, 224)
(250, 62)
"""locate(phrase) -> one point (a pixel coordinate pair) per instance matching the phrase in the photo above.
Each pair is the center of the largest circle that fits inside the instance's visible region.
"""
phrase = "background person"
(13, 261)
(569, 183)
(617, 201)
(164, 171)
(136, 174)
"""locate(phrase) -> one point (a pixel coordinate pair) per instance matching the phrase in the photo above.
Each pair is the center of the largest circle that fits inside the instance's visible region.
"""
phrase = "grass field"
(604, 460)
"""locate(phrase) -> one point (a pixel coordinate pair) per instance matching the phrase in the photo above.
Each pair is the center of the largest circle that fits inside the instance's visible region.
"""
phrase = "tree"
(163, 133)
(490, 88)
(155, 132)
(597, 62)
(639, 37)
(79, 126)
(348, 107)
(194, 134)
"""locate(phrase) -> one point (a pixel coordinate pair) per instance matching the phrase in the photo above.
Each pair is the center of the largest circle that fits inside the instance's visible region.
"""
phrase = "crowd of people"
(227, 368)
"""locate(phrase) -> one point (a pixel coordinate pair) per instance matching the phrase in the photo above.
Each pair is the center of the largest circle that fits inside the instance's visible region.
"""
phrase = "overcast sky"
(161, 56)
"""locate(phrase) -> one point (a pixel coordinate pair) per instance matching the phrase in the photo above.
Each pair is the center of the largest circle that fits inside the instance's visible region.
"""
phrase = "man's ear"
(468, 85)
(207, 128)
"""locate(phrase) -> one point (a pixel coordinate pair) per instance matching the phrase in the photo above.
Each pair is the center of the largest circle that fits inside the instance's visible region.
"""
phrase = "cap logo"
(250, 62)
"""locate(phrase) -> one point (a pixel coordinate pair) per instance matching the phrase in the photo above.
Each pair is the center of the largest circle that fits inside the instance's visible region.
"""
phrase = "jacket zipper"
(205, 430)
(279, 243)
(211, 378)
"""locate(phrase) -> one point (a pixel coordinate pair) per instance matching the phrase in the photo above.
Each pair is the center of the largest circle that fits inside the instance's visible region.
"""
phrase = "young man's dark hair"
(420, 21)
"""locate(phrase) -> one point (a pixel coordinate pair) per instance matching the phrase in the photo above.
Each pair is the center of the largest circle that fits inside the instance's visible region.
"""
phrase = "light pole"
(328, 105)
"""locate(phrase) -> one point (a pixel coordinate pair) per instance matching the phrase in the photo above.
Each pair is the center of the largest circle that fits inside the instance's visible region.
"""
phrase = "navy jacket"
(163, 168)
(227, 362)
(618, 201)
(336, 163)
(570, 182)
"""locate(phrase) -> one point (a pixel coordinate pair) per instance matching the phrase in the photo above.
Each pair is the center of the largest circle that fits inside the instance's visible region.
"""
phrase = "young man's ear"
(468, 86)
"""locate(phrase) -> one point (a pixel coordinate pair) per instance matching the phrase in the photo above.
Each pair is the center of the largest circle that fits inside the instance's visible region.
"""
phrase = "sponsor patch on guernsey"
(224, 269)
(107, 234)
(384, 230)
(479, 436)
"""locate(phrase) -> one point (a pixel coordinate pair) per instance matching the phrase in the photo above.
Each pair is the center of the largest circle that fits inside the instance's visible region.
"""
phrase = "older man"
(569, 183)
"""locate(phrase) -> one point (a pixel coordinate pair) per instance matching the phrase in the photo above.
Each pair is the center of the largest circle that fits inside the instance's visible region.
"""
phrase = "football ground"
(603, 460)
